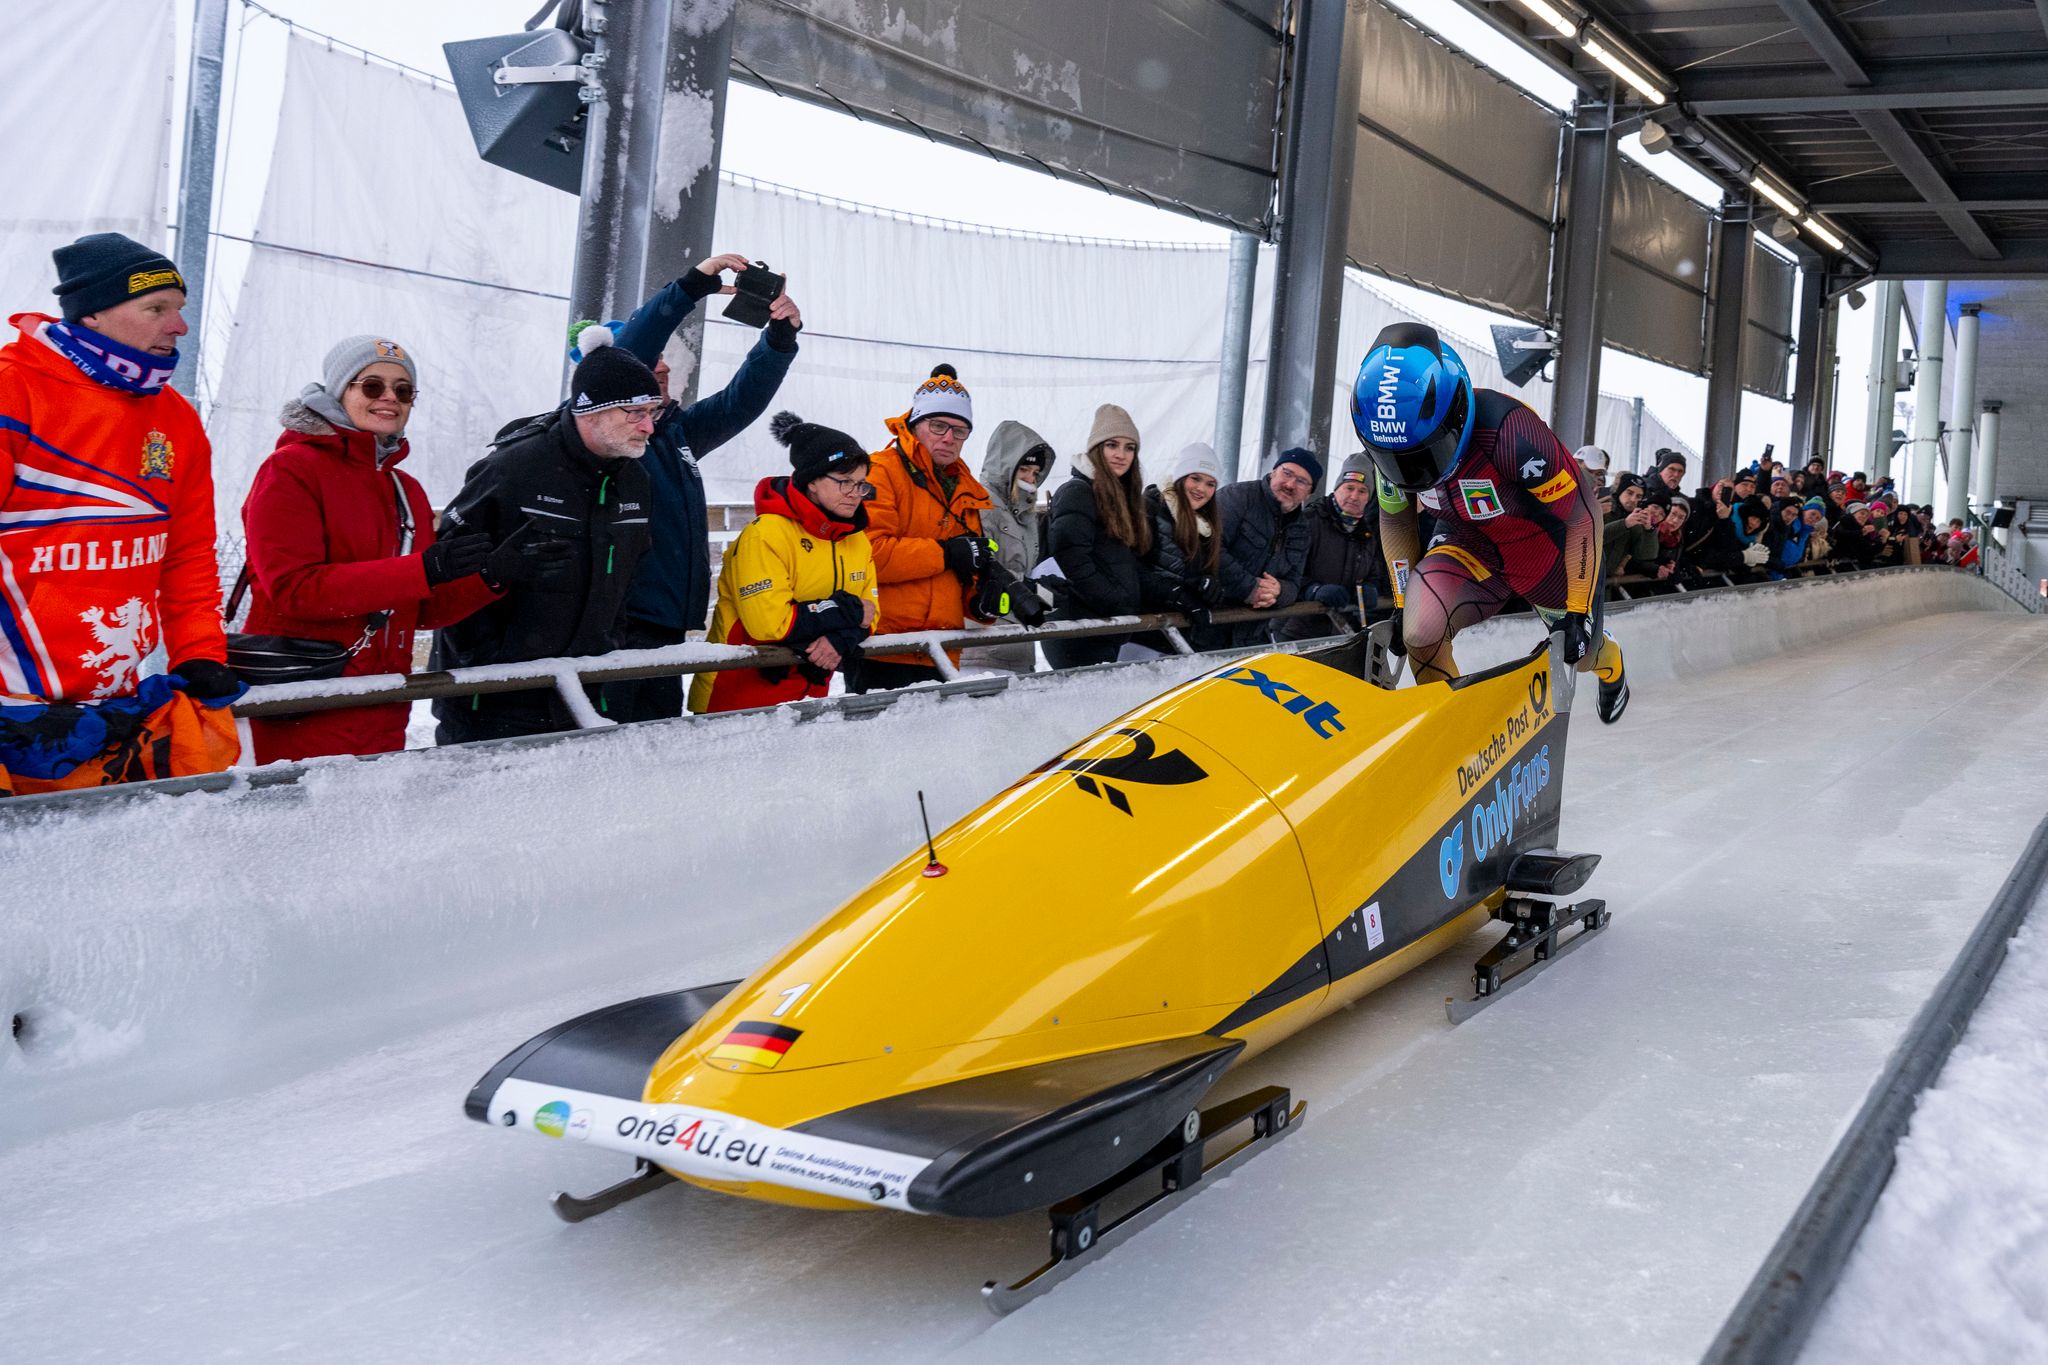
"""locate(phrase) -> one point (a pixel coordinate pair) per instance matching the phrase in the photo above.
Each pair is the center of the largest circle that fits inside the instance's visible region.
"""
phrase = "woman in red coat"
(341, 545)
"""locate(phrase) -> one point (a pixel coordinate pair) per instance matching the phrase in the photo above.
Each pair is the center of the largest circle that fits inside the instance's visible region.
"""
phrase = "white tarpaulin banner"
(82, 157)
(1041, 329)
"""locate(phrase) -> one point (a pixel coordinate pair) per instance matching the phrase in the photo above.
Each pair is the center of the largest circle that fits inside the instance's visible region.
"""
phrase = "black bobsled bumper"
(1025, 1139)
(609, 1051)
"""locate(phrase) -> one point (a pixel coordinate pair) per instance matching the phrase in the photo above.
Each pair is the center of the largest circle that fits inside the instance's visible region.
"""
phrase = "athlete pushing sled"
(1513, 511)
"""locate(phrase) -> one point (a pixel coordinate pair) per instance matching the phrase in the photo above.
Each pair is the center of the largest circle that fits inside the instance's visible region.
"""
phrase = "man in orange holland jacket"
(106, 537)
(925, 524)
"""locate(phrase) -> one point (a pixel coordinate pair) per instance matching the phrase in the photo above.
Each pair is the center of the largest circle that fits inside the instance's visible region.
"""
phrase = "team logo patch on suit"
(1556, 488)
(156, 456)
(757, 1044)
(1481, 502)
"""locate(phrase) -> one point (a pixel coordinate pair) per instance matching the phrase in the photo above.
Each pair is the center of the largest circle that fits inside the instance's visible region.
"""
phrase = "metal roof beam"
(1905, 152)
(1955, 84)
(1717, 24)
(1823, 36)
(1948, 261)
(1974, 194)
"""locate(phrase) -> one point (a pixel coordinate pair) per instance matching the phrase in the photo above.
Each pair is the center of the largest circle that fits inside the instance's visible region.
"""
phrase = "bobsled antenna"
(933, 868)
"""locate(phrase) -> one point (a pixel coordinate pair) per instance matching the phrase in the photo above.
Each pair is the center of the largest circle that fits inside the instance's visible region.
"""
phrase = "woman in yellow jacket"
(801, 574)
(925, 521)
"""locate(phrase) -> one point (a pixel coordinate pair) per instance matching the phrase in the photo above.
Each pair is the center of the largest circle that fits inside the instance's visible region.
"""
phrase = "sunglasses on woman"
(373, 388)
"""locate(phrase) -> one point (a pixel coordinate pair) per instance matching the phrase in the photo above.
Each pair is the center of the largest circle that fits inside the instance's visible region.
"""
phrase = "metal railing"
(568, 677)
(1996, 564)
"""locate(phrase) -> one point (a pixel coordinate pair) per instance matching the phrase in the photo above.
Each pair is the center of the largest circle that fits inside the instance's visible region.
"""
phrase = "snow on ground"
(1953, 1265)
(235, 1125)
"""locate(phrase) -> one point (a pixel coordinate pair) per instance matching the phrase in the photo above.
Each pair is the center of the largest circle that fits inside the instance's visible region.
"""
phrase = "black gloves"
(836, 618)
(1330, 596)
(1017, 598)
(781, 334)
(456, 557)
(208, 681)
(698, 286)
(1028, 606)
(1577, 631)
(966, 557)
(1191, 601)
(530, 563)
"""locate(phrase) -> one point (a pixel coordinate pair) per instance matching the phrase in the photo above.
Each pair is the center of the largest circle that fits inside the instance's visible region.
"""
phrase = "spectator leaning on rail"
(1012, 470)
(1187, 541)
(925, 524)
(1265, 539)
(671, 591)
(1100, 534)
(106, 537)
(1665, 477)
(342, 547)
(1343, 568)
(563, 498)
(801, 574)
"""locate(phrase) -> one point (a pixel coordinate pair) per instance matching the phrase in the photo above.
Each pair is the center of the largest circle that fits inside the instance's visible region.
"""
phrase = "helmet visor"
(1429, 462)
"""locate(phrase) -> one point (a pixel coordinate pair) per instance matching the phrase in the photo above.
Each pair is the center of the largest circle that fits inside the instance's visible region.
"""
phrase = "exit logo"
(1320, 716)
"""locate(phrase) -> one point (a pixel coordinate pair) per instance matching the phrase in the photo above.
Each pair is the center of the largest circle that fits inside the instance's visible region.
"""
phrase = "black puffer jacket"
(1340, 557)
(1258, 538)
(1105, 577)
(541, 481)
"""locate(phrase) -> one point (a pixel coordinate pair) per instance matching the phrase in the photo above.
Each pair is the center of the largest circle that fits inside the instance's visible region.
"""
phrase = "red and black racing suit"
(1515, 517)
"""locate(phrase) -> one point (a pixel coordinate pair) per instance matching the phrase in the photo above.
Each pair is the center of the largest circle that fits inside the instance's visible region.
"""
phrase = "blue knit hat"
(1306, 460)
(102, 269)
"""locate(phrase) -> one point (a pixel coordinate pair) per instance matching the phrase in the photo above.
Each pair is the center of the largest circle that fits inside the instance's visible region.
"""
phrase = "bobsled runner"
(1239, 857)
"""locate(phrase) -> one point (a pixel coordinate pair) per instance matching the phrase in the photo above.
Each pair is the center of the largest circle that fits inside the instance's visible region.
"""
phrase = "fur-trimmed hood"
(305, 424)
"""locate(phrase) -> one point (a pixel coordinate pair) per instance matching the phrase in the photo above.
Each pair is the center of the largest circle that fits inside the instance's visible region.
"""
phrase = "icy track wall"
(186, 946)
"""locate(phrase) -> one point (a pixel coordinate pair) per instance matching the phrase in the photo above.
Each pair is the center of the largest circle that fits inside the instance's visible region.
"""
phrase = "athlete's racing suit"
(1516, 516)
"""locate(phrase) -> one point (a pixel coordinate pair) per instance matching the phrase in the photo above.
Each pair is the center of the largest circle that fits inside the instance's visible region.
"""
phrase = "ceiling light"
(1857, 298)
(1778, 197)
(1634, 79)
(1822, 231)
(1784, 229)
(1566, 26)
(1655, 136)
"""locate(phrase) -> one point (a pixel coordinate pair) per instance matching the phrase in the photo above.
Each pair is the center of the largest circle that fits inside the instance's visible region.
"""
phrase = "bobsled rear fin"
(1022, 1139)
(609, 1051)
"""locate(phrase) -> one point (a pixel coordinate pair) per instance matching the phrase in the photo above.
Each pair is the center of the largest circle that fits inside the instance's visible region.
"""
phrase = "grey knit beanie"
(350, 356)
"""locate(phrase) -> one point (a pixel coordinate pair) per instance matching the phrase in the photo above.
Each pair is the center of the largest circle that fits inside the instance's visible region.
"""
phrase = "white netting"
(81, 159)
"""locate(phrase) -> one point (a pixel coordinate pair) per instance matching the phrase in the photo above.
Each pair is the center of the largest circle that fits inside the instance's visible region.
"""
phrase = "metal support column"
(1987, 455)
(1311, 227)
(1582, 302)
(1830, 384)
(1808, 326)
(1963, 429)
(195, 179)
(1635, 436)
(1235, 360)
(686, 193)
(1926, 447)
(1733, 240)
(1884, 378)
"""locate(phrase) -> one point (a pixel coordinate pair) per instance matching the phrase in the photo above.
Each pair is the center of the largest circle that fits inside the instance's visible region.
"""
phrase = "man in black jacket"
(1265, 539)
(564, 499)
(1343, 570)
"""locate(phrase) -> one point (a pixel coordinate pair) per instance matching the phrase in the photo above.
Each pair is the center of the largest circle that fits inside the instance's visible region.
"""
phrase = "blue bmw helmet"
(1412, 404)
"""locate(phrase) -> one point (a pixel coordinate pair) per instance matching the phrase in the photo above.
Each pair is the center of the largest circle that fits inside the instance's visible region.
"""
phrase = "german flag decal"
(760, 1044)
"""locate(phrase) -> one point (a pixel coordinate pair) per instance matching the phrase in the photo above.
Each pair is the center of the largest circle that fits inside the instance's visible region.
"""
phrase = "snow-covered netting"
(87, 113)
(412, 236)
(233, 924)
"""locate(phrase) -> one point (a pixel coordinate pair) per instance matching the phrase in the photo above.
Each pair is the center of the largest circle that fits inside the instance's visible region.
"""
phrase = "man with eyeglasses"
(564, 498)
(925, 523)
(671, 591)
(1265, 539)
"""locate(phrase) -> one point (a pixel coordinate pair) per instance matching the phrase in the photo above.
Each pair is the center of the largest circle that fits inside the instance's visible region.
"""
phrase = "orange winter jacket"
(106, 528)
(907, 518)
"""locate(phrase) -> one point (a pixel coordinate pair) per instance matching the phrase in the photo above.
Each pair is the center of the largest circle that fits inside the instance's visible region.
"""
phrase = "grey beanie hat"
(350, 356)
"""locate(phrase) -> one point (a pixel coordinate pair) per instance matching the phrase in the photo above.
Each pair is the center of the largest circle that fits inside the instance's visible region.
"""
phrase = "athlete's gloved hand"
(966, 557)
(1397, 643)
(456, 557)
(1577, 629)
(208, 682)
(530, 563)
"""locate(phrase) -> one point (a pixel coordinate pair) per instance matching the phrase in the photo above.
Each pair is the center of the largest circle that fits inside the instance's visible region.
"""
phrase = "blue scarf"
(106, 361)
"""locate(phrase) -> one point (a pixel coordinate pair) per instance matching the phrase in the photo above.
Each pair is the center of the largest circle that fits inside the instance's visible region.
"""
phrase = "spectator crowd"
(584, 529)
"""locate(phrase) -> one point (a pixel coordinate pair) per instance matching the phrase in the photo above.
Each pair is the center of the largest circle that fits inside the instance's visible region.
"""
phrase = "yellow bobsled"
(1237, 858)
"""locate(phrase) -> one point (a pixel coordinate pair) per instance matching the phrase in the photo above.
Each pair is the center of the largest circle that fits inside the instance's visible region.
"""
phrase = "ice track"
(236, 1131)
